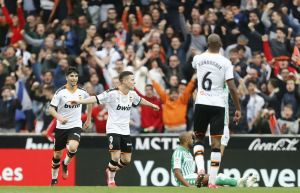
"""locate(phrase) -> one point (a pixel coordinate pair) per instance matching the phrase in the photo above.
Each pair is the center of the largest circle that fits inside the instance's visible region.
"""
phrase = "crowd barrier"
(26, 160)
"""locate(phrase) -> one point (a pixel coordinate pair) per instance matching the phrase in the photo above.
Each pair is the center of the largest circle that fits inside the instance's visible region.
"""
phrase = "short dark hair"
(234, 50)
(240, 47)
(138, 33)
(72, 69)
(124, 74)
(251, 82)
(283, 30)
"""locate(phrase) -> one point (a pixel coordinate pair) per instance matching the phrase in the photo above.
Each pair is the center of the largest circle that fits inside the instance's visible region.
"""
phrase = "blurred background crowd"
(156, 39)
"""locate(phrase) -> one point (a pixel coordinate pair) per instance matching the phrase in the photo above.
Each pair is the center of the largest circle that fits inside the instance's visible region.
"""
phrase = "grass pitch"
(101, 189)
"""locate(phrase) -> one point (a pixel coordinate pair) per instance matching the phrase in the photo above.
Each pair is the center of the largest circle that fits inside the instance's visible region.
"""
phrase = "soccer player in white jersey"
(213, 71)
(69, 124)
(118, 102)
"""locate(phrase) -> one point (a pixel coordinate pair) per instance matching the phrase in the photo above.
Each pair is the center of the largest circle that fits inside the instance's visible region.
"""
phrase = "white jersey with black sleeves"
(118, 106)
(212, 72)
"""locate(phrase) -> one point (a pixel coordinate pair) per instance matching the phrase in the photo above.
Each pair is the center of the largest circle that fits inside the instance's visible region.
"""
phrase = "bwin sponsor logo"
(123, 108)
(72, 106)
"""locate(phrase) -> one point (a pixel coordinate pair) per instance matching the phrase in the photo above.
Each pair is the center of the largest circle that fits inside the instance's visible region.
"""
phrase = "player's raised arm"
(235, 98)
(147, 103)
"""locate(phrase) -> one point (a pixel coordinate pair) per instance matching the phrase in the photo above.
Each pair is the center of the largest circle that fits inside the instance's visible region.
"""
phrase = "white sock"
(199, 158)
(67, 160)
(55, 167)
(54, 173)
(68, 157)
(111, 176)
(215, 160)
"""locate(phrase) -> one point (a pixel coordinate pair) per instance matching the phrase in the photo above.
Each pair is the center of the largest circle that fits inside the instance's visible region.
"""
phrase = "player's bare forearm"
(88, 119)
(235, 99)
(178, 175)
(234, 94)
(89, 111)
(147, 103)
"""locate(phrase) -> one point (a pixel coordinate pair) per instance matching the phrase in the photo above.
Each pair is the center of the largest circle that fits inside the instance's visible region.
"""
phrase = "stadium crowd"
(156, 39)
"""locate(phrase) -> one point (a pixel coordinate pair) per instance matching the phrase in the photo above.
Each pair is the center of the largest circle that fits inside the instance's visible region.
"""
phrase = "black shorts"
(213, 115)
(62, 137)
(119, 142)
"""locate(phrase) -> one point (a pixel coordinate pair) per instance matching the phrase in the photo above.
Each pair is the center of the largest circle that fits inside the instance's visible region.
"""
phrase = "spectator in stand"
(296, 53)
(108, 26)
(68, 37)
(151, 120)
(291, 97)
(228, 29)
(8, 106)
(120, 36)
(16, 23)
(279, 46)
(25, 117)
(242, 40)
(48, 92)
(240, 67)
(174, 67)
(46, 7)
(156, 72)
(61, 10)
(264, 70)
(98, 10)
(197, 40)
(109, 53)
(175, 105)
(9, 59)
(287, 123)
(178, 48)
(59, 73)
(97, 87)
(132, 21)
(252, 74)
(273, 96)
(2, 74)
(253, 103)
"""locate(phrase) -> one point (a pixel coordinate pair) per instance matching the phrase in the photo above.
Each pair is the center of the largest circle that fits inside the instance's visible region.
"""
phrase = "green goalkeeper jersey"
(183, 159)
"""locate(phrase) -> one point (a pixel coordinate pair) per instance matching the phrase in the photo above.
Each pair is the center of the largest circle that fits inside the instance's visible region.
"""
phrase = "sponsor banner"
(19, 167)
(153, 168)
(158, 143)
(274, 159)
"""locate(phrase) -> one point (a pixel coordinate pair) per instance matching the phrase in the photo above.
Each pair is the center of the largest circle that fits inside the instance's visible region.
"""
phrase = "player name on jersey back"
(212, 72)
